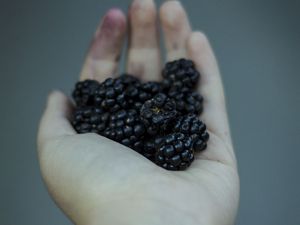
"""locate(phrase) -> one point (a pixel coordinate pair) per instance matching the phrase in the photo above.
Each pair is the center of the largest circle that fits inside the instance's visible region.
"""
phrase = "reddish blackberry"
(126, 128)
(187, 101)
(192, 126)
(84, 92)
(89, 119)
(157, 113)
(175, 152)
(180, 73)
(116, 94)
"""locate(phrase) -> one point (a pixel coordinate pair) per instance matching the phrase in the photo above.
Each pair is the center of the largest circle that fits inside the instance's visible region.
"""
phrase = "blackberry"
(192, 126)
(115, 94)
(148, 90)
(187, 101)
(89, 119)
(150, 147)
(157, 113)
(84, 92)
(126, 128)
(180, 73)
(156, 119)
(175, 152)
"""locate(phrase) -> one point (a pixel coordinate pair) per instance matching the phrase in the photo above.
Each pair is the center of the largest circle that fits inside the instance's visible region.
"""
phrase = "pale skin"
(96, 181)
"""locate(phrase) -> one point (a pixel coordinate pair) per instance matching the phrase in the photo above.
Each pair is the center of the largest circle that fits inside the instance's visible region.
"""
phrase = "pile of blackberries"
(157, 119)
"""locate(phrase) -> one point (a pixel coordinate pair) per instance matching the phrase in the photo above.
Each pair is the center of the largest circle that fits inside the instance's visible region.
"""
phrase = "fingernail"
(114, 18)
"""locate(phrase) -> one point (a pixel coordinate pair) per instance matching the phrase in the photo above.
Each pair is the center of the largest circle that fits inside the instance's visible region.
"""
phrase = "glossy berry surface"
(192, 126)
(175, 152)
(181, 73)
(187, 101)
(159, 120)
(157, 113)
(84, 92)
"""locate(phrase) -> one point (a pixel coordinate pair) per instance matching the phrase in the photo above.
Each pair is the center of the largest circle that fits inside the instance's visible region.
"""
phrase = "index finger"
(104, 53)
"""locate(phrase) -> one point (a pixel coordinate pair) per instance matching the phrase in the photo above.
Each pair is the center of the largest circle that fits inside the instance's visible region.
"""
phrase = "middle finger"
(143, 51)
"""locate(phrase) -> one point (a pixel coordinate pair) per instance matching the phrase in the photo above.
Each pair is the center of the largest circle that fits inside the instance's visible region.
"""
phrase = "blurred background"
(42, 47)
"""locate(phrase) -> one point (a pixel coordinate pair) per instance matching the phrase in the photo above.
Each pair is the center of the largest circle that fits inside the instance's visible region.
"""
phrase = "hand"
(97, 181)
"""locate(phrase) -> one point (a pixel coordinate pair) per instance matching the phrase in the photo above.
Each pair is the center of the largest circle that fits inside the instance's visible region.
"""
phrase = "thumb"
(54, 122)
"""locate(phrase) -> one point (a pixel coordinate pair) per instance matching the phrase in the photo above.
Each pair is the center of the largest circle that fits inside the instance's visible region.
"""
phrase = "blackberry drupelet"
(126, 128)
(84, 92)
(89, 119)
(175, 152)
(148, 90)
(156, 119)
(187, 101)
(149, 150)
(151, 146)
(180, 73)
(157, 113)
(115, 94)
(192, 126)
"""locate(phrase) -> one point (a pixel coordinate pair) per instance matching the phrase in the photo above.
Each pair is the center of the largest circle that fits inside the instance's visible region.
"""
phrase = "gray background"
(42, 46)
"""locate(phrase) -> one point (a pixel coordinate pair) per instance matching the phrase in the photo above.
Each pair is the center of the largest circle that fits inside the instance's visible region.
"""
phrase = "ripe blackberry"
(115, 94)
(180, 73)
(151, 146)
(187, 101)
(148, 90)
(175, 152)
(84, 92)
(157, 119)
(126, 128)
(89, 119)
(157, 113)
(192, 126)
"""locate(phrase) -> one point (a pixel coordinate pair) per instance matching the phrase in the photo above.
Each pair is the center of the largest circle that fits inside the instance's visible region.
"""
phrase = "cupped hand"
(97, 181)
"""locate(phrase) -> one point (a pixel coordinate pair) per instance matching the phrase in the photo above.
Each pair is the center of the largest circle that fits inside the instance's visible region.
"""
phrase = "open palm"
(97, 181)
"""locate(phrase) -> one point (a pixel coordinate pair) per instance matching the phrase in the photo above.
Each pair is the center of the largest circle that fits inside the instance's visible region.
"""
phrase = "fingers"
(54, 122)
(176, 27)
(105, 49)
(214, 115)
(143, 51)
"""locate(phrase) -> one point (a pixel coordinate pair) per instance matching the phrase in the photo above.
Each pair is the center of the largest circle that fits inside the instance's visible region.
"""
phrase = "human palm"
(97, 181)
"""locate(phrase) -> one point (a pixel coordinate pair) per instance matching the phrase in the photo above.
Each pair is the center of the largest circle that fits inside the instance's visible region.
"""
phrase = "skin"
(97, 181)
